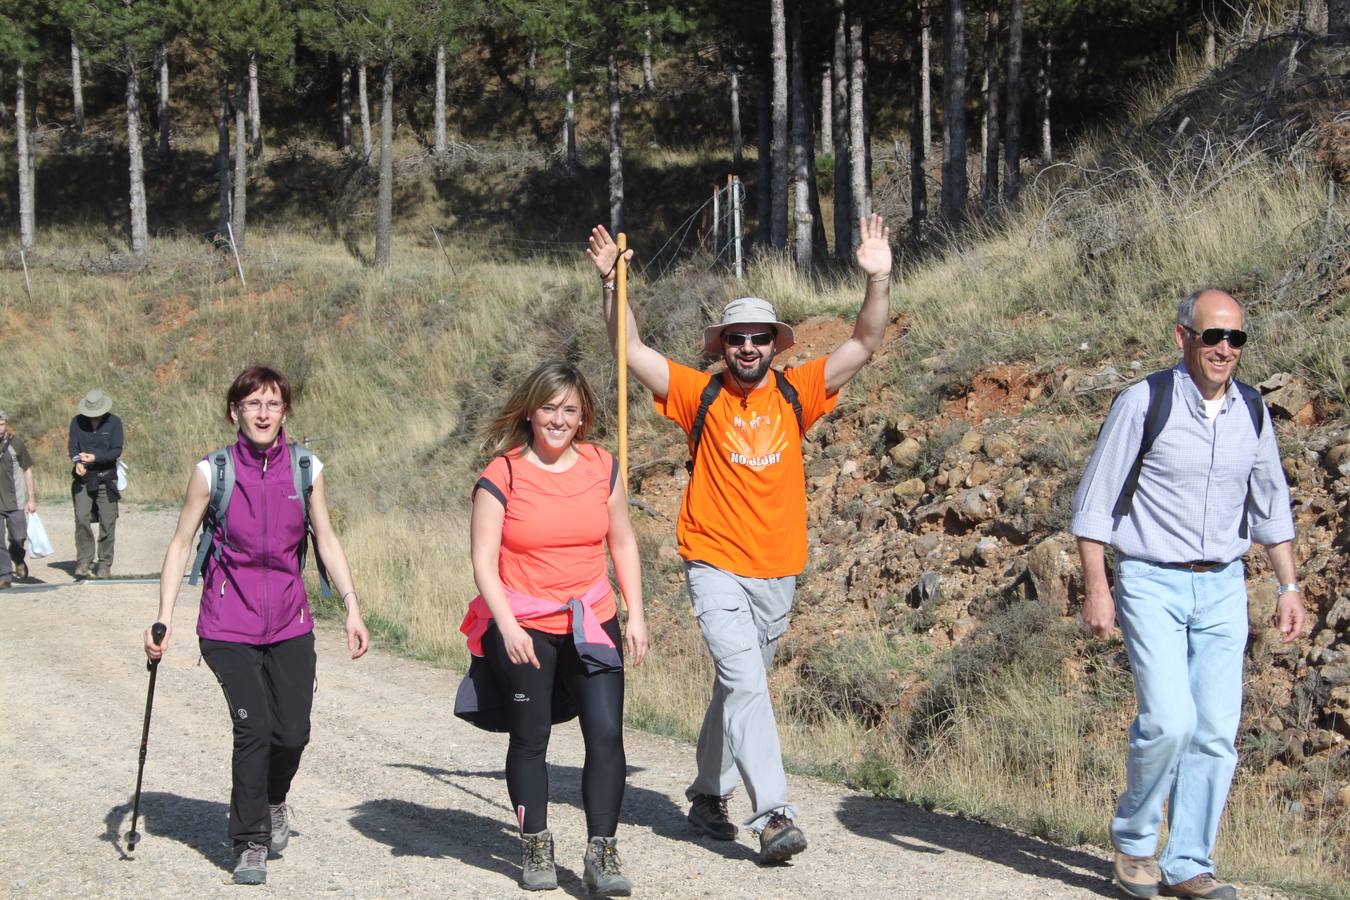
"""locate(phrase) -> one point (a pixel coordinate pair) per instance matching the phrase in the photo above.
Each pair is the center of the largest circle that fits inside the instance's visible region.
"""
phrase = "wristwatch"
(1289, 588)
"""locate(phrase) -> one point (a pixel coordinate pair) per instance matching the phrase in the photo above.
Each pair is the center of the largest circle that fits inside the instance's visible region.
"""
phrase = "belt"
(1199, 565)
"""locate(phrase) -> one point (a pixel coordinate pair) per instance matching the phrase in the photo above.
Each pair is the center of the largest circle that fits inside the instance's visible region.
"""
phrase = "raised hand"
(602, 250)
(874, 250)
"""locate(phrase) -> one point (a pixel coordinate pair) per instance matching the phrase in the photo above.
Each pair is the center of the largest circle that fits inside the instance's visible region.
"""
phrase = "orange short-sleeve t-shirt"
(744, 510)
(553, 533)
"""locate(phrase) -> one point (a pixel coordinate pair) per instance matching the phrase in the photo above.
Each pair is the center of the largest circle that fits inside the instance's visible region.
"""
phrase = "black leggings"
(599, 698)
(270, 691)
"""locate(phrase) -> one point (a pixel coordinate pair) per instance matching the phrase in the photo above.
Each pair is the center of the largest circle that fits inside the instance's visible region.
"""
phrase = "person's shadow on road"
(198, 824)
(917, 830)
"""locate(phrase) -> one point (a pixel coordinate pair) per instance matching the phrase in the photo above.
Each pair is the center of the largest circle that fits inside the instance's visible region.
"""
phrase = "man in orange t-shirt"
(742, 525)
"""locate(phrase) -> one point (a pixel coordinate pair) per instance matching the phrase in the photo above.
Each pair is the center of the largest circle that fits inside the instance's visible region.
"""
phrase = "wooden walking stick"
(621, 300)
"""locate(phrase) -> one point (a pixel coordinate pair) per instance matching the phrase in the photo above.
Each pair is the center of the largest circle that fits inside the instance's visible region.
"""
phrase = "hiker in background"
(254, 625)
(18, 499)
(546, 621)
(1185, 475)
(742, 524)
(94, 447)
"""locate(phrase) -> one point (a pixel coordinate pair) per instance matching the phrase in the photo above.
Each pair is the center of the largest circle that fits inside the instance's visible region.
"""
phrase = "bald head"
(1204, 304)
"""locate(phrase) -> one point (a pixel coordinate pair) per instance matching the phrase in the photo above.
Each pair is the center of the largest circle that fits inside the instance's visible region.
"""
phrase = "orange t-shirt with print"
(744, 510)
(553, 533)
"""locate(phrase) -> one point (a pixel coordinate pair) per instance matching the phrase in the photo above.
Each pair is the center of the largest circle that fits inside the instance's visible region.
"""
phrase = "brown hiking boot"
(103, 570)
(708, 812)
(1137, 875)
(82, 570)
(20, 569)
(780, 840)
(1202, 885)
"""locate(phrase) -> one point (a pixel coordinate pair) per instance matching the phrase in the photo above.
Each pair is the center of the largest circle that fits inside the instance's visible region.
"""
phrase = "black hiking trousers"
(269, 689)
(599, 699)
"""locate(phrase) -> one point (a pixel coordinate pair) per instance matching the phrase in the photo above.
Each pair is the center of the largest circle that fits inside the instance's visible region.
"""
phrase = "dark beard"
(751, 376)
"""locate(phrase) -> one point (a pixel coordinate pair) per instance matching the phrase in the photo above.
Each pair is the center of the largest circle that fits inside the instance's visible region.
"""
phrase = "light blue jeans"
(1185, 633)
(741, 619)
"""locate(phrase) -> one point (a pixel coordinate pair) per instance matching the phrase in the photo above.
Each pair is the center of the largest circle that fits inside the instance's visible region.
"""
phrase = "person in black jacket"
(95, 445)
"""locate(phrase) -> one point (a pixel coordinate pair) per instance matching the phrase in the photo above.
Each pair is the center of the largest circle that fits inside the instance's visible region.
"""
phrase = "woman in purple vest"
(254, 625)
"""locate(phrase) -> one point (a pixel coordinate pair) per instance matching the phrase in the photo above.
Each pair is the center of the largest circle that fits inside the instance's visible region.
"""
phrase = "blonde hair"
(510, 428)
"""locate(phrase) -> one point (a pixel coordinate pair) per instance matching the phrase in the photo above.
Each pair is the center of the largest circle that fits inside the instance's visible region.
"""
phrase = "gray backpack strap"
(302, 474)
(222, 489)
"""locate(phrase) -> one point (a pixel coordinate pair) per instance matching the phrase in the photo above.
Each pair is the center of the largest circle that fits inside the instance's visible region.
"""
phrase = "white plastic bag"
(39, 545)
(121, 476)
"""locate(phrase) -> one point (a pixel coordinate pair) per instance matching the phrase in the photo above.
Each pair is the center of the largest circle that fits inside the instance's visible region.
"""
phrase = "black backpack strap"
(1256, 408)
(302, 473)
(705, 400)
(790, 395)
(222, 488)
(1159, 408)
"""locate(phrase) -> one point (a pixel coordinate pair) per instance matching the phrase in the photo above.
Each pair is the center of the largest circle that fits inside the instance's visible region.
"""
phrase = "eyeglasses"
(1211, 337)
(253, 405)
(737, 338)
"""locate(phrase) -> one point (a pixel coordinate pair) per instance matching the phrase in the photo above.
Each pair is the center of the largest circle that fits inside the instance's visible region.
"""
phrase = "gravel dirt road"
(395, 797)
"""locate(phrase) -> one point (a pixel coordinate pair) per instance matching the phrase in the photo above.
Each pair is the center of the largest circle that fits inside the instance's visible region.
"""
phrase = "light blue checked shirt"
(1193, 484)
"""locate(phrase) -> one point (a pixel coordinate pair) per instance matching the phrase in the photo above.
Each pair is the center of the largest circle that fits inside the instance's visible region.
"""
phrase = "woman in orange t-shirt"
(543, 511)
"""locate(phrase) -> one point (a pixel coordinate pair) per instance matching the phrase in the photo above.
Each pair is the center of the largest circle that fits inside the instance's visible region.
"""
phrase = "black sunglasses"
(737, 338)
(1210, 337)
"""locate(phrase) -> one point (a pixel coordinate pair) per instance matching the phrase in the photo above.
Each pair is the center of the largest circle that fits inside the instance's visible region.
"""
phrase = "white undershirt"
(1212, 407)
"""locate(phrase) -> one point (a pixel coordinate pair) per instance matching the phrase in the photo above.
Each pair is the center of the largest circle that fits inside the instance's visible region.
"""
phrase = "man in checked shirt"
(1180, 591)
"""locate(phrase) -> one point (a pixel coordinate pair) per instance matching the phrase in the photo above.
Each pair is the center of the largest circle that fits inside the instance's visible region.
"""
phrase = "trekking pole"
(157, 636)
(621, 298)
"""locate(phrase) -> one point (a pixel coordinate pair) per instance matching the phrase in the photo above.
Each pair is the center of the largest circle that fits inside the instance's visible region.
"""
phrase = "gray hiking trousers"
(741, 620)
(14, 523)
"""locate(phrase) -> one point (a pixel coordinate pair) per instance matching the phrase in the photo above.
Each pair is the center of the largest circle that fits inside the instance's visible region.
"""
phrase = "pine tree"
(20, 53)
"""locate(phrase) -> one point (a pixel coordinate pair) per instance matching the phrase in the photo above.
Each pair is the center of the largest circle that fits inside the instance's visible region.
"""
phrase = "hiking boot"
(252, 865)
(602, 874)
(537, 872)
(708, 813)
(780, 839)
(281, 825)
(1137, 875)
(103, 570)
(1202, 885)
(5, 583)
(20, 569)
(82, 570)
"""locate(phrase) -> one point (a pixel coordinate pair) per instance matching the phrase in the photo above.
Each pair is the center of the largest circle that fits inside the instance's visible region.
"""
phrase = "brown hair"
(510, 428)
(256, 378)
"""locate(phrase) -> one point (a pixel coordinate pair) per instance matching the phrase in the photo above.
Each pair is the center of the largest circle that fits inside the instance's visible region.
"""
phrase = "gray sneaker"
(602, 873)
(281, 825)
(537, 872)
(103, 570)
(780, 840)
(252, 865)
(708, 813)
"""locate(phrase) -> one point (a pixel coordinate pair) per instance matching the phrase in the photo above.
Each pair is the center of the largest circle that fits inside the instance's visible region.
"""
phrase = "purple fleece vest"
(255, 593)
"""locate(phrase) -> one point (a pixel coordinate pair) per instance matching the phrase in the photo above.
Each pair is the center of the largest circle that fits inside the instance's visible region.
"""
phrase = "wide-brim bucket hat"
(747, 311)
(95, 404)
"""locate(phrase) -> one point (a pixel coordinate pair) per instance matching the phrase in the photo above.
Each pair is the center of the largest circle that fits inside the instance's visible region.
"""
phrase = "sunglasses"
(1211, 337)
(737, 338)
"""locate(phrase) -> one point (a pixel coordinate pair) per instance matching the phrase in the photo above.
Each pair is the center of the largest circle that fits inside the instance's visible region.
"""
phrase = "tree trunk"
(803, 224)
(1012, 129)
(239, 209)
(615, 140)
(648, 80)
(254, 111)
(570, 114)
(989, 184)
(918, 135)
(839, 126)
(440, 99)
(1043, 82)
(1211, 42)
(27, 183)
(223, 158)
(861, 206)
(531, 63)
(737, 146)
(140, 233)
(926, 76)
(76, 84)
(826, 113)
(385, 213)
(363, 100)
(345, 109)
(1338, 20)
(778, 225)
(165, 148)
(954, 113)
(764, 144)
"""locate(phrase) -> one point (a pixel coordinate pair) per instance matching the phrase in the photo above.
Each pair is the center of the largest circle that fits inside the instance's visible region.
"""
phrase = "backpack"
(1159, 408)
(714, 388)
(222, 489)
